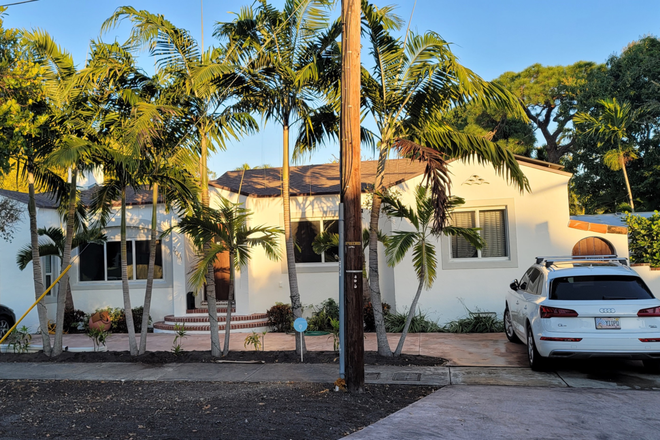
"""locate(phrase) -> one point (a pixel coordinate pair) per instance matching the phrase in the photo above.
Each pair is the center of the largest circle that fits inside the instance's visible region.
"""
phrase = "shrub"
(369, 320)
(280, 317)
(72, 318)
(394, 323)
(323, 316)
(118, 319)
(475, 323)
(644, 238)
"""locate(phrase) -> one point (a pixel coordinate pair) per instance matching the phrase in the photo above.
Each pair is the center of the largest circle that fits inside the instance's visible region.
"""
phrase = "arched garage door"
(593, 246)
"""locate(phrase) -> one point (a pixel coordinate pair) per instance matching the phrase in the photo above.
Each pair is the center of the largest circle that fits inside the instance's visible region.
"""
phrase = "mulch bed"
(164, 357)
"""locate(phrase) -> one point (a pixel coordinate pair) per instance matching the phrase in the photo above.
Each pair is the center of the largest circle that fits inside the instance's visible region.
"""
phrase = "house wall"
(168, 294)
(650, 276)
(538, 225)
(16, 286)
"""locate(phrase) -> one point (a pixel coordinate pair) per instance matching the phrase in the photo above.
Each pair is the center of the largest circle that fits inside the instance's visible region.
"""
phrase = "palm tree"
(285, 48)
(612, 129)
(54, 246)
(420, 240)
(412, 87)
(206, 81)
(228, 230)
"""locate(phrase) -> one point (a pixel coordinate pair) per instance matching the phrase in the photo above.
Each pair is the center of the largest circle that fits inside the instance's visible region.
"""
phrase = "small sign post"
(300, 325)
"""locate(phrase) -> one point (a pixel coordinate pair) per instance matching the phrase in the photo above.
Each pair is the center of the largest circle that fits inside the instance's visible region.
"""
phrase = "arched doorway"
(593, 246)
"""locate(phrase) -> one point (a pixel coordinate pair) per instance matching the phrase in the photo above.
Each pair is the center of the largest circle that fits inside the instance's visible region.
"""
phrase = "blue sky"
(490, 37)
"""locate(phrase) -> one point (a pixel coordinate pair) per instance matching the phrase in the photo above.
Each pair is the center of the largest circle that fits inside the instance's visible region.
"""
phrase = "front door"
(221, 275)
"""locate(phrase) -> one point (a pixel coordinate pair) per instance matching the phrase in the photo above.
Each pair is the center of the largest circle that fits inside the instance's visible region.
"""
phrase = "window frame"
(321, 221)
(131, 277)
(476, 215)
(510, 261)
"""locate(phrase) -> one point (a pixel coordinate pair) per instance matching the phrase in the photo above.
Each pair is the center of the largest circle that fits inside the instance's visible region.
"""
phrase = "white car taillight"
(652, 311)
(554, 312)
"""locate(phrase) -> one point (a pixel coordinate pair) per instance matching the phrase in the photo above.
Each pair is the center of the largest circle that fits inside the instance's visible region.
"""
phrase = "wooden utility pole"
(351, 192)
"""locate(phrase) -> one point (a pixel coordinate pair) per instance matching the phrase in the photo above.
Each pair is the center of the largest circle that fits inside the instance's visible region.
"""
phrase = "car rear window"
(604, 287)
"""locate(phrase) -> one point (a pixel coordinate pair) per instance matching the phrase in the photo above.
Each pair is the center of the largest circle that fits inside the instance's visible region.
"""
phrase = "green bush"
(475, 323)
(118, 319)
(323, 315)
(644, 238)
(394, 323)
(369, 321)
(280, 317)
(72, 318)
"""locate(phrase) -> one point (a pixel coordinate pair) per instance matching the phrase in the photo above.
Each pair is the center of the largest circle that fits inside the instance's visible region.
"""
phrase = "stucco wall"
(650, 277)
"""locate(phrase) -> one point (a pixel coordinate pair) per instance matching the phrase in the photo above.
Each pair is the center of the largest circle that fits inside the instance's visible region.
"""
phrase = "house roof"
(47, 200)
(312, 179)
(324, 178)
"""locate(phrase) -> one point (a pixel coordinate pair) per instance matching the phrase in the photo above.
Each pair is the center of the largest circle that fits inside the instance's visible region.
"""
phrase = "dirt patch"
(164, 357)
(174, 410)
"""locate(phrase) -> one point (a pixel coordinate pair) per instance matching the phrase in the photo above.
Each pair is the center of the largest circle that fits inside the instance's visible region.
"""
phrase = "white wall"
(650, 277)
(16, 286)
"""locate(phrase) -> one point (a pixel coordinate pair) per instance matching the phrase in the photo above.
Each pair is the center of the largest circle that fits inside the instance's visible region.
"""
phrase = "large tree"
(549, 96)
(413, 85)
(208, 83)
(285, 48)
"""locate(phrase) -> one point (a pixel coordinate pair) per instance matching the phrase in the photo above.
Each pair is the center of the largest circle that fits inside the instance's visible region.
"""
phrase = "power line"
(18, 3)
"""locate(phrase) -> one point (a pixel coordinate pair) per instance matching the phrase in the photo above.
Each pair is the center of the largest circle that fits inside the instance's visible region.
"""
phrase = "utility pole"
(351, 192)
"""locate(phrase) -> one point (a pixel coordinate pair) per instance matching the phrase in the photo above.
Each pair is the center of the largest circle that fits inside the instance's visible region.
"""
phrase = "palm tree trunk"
(36, 267)
(230, 300)
(625, 176)
(146, 309)
(296, 305)
(210, 279)
(411, 314)
(68, 302)
(374, 279)
(128, 311)
(66, 260)
(374, 276)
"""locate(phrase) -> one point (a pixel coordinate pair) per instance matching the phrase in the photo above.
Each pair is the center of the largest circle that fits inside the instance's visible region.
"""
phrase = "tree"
(413, 86)
(420, 240)
(549, 96)
(207, 82)
(10, 214)
(285, 47)
(612, 130)
(227, 228)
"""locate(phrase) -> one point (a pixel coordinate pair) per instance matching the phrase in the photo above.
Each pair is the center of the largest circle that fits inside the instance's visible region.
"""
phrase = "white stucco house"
(517, 227)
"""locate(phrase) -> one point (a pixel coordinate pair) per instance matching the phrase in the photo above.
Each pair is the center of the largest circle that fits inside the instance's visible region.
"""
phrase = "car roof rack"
(549, 261)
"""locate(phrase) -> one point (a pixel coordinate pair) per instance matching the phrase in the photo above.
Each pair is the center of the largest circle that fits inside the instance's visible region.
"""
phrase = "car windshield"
(604, 287)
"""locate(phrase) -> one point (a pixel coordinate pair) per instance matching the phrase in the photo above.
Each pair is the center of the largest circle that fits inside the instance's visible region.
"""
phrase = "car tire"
(652, 365)
(6, 322)
(508, 327)
(536, 361)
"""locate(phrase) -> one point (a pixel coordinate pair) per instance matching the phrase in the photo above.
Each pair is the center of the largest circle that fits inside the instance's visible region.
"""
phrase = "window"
(492, 224)
(48, 271)
(103, 262)
(304, 232)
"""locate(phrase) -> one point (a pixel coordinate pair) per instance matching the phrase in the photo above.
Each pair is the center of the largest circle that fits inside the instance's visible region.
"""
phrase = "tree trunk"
(374, 276)
(36, 267)
(146, 309)
(411, 314)
(230, 300)
(625, 176)
(128, 311)
(68, 302)
(296, 305)
(374, 279)
(210, 279)
(66, 260)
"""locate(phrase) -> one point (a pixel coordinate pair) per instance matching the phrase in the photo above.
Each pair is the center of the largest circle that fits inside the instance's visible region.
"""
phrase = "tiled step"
(205, 311)
(171, 319)
(204, 328)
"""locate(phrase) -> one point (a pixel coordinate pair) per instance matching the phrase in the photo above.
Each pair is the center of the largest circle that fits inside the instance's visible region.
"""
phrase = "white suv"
(582, 307)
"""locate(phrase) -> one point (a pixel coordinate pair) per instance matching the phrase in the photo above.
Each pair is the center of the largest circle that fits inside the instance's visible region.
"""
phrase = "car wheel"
(508, 327)
(6, 322)
(536, 361)
(652, 365)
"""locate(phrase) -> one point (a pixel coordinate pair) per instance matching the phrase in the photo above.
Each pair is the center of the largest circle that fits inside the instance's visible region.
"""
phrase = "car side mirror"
(514, 285)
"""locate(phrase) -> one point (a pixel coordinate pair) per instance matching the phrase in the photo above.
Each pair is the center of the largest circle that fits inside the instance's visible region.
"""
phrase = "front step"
(197, 323)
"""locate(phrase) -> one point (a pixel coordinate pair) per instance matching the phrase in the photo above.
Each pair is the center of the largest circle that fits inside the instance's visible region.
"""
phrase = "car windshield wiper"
(613, 298)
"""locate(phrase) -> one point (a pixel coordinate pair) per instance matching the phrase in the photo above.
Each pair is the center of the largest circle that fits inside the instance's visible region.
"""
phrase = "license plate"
(608, 324)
